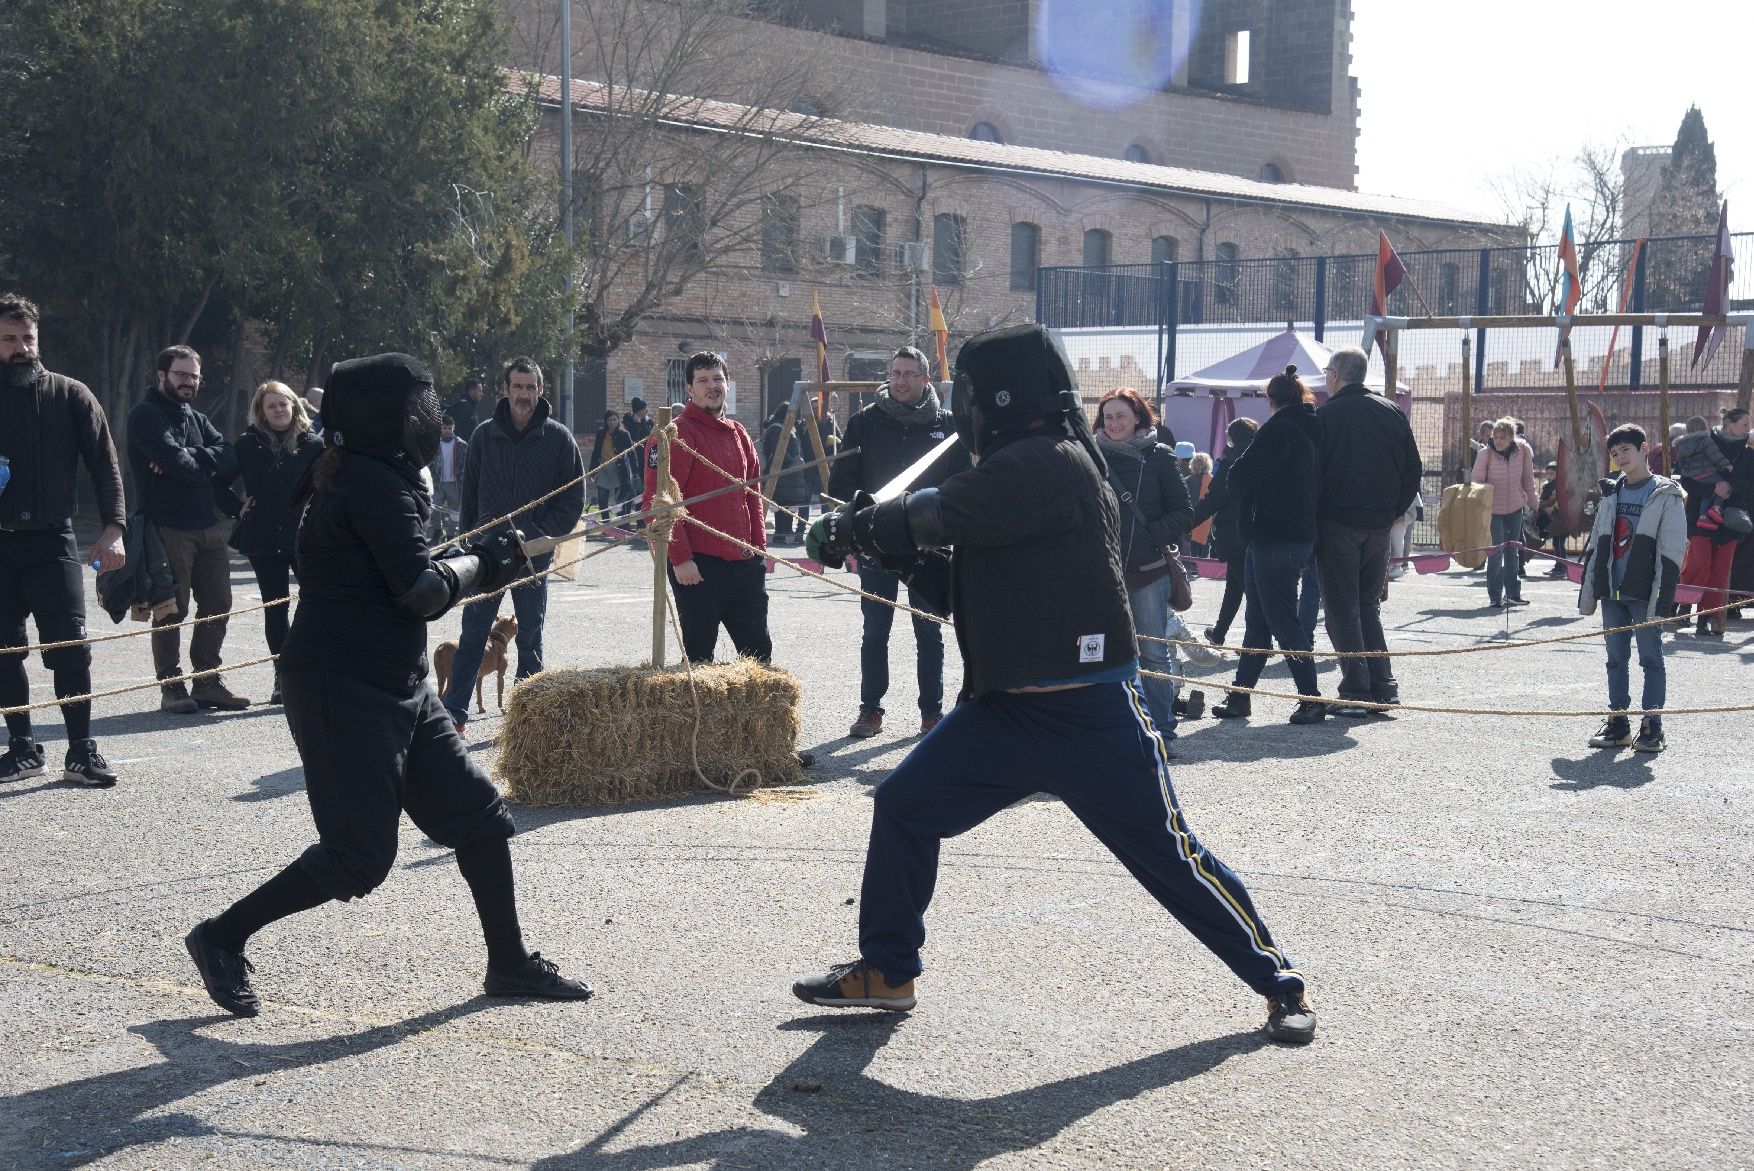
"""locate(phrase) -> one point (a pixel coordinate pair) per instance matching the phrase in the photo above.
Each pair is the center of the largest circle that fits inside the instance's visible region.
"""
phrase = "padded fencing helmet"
(1007, 379)
(384, 406)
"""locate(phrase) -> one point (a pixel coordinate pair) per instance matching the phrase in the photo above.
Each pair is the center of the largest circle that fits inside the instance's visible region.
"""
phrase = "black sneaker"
(23, 759)
(226, 974)
(1310, 712)
(1616, 733)
(535, 977)
(1351, 709)
(1290, 1020)
(855, 985)
(87, 765)
(1650, 735)
(1194, 706)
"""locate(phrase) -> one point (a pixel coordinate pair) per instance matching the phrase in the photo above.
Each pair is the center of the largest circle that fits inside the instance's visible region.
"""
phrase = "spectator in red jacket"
(716, 582)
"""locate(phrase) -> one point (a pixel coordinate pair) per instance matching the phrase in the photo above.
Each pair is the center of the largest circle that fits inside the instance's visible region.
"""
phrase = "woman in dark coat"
(613, 484)
(273, 453)
(1274, 483)
(1227, 542)
(1143, 472)
(793, 488)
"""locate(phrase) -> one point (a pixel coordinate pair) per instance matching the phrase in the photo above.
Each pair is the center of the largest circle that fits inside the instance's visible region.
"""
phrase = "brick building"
(957, 161)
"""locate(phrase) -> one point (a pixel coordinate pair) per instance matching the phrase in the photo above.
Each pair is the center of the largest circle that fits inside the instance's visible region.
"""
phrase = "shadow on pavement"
(272, 785)
(847, 1116)
(1266, 736)
(1603, 768)
(81, 1122)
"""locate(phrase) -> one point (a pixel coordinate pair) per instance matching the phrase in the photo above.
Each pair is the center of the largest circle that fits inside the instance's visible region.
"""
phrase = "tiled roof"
(891, 142)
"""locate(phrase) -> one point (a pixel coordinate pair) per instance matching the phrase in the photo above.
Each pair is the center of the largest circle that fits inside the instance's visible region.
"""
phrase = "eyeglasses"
(179, 376)
(897, 374)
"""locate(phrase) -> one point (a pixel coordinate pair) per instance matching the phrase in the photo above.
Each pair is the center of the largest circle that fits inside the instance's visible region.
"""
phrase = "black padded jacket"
(46, 430)
(1275, 482)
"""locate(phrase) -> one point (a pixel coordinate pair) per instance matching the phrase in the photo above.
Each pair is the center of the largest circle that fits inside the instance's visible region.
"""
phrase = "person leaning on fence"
(1508, 465)
(49, 425)
(177, 453)
(1630, 569)
(272, 455)
(1275, 481)
(518, 456)
(1711, 546)
(1368, 472)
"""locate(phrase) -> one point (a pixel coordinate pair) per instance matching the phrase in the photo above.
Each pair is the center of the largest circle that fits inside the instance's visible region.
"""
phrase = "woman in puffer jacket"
(1508, 464)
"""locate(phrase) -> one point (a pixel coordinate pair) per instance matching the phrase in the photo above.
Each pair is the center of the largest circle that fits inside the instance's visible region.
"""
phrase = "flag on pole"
(1717, 290)
(819, 331)
(1570, 285)
(941, 333)
(1390, 272)
(1625, 296)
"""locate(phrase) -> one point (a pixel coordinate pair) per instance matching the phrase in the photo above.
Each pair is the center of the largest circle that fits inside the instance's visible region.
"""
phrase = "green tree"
(1686, 204)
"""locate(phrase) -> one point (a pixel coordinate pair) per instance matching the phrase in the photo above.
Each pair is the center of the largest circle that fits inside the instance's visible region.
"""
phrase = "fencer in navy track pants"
(1095, 749)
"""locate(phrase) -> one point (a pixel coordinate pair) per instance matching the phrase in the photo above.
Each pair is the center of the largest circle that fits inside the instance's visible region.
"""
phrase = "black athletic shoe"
(855, 985)
(226, 974)
(1616, 733)
(535, 977)
(1650, 735)
(1194, 706)
(87, 765)
(1290, 1020)
(1310, 713)
(1234, 707)
(1352, 710)
(23, 759)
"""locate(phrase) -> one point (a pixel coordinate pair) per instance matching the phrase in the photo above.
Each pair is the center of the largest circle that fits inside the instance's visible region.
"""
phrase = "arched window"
(779, 233)
(1098, 248)
(985, 132)
(1025, 255)
(868, 252)
(1270, 173)
(1137, 154)
(948, 240)
(1164, 249)
(1226, 272)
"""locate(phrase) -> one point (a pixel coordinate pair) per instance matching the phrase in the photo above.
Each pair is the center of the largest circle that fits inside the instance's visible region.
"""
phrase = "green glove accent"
(816, 541)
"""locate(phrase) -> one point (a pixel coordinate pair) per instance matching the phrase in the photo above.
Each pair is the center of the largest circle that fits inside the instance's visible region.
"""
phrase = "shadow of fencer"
(77, 1123)
(1603, 768)
(847, 1115)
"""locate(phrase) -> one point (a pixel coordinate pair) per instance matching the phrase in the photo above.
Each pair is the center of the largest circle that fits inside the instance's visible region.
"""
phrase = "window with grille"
(949, 238)
(868, 251)
(1164, 249)
(1098, 248)
(779, 233)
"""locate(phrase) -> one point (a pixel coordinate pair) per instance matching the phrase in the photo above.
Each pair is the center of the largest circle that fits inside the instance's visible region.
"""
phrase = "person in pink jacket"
(1508, 464)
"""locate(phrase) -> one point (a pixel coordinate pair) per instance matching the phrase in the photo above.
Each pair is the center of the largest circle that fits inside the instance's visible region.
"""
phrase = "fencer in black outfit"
(373, 737)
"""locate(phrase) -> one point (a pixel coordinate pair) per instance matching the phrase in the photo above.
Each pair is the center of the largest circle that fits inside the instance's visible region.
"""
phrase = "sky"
(1453, 96)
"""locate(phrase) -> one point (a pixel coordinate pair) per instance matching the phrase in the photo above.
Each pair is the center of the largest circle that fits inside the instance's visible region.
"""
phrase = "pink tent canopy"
(1200, 406)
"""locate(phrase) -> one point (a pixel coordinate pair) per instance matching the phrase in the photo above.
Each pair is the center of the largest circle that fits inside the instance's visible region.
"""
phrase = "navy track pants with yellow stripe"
(1095, 749)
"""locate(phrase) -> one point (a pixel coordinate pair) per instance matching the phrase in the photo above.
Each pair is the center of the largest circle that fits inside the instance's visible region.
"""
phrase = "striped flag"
(1390, 272)
(941, 333)
(1570, 285)
(1717, 290)
(819, 331)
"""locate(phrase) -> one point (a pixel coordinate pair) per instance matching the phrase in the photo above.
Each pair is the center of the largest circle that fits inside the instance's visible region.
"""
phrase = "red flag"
(819, 331)
(940, 332)
(1390, 272)
(1717, 290)
(1570, 284)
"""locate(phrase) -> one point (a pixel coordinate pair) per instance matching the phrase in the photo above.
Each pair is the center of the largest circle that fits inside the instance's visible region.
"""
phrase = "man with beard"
(1050, 698)
(176, 453)
(903, 424)
(372, 736)
(49, 424)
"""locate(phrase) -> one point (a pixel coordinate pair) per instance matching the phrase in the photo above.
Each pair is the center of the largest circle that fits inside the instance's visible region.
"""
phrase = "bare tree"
(1590, 184)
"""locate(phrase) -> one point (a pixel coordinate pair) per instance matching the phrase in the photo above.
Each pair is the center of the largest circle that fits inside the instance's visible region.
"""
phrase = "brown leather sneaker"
(855, 985)
(867, 725)
(212, 692)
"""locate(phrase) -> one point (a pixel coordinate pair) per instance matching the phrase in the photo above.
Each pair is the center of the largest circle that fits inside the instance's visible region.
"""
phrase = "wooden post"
(1467, 405)
(1663, 397)
(779, 449)
(1571, 396)
(660, 553)
(1391, 365)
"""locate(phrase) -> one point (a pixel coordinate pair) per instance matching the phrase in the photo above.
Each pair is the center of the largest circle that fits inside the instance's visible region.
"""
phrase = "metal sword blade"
(914, 470)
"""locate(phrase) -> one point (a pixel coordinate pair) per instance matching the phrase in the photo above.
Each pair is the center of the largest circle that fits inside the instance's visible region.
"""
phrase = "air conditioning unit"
(840, 249)
(915, 256)
(642, 230)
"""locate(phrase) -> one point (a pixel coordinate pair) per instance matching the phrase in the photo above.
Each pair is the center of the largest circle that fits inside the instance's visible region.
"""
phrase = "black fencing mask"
(1007, 379)
(385, 406)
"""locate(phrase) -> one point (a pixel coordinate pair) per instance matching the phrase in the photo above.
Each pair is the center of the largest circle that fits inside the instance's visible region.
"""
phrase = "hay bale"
(619, 734)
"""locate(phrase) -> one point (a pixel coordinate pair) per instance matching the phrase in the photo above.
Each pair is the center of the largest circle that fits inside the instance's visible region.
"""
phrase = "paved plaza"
(1524, 953)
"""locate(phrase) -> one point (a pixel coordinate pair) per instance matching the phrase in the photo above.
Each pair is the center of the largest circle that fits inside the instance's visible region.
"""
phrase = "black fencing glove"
(503, 560)
(830, 539)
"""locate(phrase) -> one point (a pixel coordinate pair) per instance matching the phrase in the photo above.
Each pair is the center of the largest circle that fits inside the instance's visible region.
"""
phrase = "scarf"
(922, 414)
(1134, 448)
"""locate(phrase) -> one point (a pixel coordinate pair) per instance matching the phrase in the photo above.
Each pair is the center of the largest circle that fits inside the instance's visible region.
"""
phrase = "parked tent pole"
(1467, 402)
(660, 553)
(1663, 397)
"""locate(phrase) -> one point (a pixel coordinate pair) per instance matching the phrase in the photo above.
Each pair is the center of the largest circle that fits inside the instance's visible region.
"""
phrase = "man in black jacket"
(466, 411)
(516, 457)
(1050, 697)
(49, 424)
(1368, 472)
(176, 453)
(882, 440)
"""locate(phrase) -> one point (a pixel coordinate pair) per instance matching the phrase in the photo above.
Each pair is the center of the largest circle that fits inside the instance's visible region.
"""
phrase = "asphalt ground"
(1525, 953)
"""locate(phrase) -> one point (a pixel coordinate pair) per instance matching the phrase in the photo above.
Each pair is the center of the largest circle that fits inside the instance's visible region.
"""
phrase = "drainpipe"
(913, 301)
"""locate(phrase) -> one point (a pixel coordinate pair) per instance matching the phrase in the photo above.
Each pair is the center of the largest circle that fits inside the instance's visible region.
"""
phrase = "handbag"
(1181, 591)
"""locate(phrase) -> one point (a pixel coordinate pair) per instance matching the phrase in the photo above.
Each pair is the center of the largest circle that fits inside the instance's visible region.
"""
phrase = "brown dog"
(493, 662)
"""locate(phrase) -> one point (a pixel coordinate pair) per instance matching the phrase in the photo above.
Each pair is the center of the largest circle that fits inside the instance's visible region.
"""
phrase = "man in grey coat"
(517, 456)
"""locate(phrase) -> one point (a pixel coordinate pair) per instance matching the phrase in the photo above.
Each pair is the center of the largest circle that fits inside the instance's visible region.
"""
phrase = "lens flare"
(1113, 53)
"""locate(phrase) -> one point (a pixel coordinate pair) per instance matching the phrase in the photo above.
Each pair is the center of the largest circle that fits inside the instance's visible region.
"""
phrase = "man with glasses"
(175, 452)
(882, 440)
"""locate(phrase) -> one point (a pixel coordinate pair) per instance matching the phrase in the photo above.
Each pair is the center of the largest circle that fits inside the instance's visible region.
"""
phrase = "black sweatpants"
(732, 594)
(370, 755)
(41, 577)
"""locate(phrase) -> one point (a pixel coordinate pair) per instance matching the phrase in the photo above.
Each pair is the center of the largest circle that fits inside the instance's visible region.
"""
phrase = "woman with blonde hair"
(273, 453)
(1508, 464)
